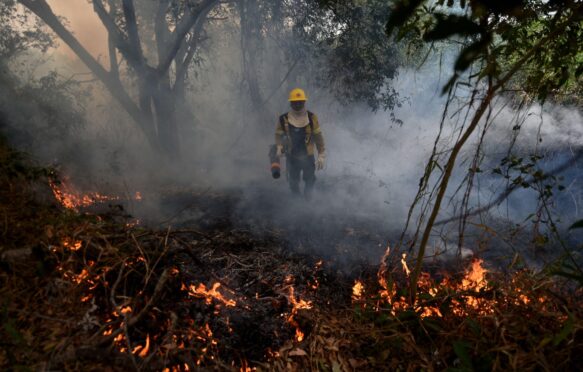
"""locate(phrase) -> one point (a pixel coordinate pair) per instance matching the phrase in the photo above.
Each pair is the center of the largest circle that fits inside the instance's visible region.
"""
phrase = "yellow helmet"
(297, 95)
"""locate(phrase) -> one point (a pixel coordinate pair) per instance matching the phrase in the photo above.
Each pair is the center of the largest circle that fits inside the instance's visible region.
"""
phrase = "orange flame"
(144, 352)
(299, 335)
(71, 198)
(296, 305)
(357, 291)
(202, 292)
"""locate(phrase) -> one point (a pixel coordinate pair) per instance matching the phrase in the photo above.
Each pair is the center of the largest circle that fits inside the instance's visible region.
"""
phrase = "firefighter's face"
(298, 105)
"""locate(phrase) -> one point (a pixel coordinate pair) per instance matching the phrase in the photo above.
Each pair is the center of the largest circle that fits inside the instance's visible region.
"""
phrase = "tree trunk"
(44, 12)
(165, 108)
(250, 41)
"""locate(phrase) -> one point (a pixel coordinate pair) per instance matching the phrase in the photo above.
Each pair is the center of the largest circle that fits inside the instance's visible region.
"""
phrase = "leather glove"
(321, 161)
(279, 151)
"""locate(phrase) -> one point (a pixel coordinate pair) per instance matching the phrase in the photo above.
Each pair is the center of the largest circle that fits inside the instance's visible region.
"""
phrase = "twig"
(133, 320)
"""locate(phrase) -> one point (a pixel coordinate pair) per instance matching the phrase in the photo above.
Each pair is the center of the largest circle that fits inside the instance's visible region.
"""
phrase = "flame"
(386, 293)
(296, 305)
(143, 350)
(475, 278)
(71, 198)
(299, 335)
(202, 292)
(474, 281)
(301, 304)
(357, 291)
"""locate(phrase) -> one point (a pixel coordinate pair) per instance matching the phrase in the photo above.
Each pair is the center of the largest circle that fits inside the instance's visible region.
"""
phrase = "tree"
(19, 33)
(532, 46)
(343, 51)
(177, 28)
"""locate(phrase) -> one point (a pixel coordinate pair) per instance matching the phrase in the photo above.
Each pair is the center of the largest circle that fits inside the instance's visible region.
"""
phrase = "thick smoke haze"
(373, 164)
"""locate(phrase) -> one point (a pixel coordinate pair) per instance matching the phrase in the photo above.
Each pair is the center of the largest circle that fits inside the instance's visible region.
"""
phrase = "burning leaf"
(357, 291)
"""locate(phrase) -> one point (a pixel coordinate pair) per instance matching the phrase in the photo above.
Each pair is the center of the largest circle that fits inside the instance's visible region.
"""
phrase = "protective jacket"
(313, 134)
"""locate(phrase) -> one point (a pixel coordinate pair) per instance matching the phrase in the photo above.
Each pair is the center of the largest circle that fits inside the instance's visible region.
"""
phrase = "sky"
(85, 25)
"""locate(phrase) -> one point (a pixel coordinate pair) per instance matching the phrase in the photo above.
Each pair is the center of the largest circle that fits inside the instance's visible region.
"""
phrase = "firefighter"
(297, 132)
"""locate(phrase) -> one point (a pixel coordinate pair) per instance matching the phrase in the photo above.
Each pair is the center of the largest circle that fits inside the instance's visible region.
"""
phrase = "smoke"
(374, 164)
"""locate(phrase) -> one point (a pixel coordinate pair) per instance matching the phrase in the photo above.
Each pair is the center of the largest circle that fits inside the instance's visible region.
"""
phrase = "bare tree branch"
(129, 13)
(113, 64)
(44, 11)
(184, 26)
(513, 187)
(118, 37)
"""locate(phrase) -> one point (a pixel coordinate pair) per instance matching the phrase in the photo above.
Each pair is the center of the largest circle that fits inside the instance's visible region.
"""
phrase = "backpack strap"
(284, 123)
(311, 120)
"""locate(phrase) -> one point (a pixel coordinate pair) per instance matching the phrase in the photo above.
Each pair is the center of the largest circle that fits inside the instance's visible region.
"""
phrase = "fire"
(73, 245)
(357, 291)
(386, 293)
(301, 304)
(296, 306)
(143, 350)
(474, 281)
(71, 198)
(201, 291)
(299, 335)
(316, 282)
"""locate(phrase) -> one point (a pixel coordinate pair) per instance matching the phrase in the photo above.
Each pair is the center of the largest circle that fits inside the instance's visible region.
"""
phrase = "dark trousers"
(306, 166)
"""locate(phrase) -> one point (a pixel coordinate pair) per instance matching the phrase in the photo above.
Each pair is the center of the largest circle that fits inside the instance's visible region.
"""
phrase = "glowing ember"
(73, 245)
(213, 293)
(126, 310)
(143, 350)
(357, 291)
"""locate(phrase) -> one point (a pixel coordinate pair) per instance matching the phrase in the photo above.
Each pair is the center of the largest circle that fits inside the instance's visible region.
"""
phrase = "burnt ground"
(126, 287)
(318, 230)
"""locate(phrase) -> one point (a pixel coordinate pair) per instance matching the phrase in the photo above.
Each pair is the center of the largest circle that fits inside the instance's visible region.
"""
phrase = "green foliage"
(497, 35)
(19, 31)
(41, 112)
(359, 61)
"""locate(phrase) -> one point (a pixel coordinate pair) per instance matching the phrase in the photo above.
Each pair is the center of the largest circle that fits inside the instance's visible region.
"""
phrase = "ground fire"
(359, 185)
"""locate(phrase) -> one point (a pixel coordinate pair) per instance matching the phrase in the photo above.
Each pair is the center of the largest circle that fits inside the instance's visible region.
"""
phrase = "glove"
(279, 151)
(321, 161)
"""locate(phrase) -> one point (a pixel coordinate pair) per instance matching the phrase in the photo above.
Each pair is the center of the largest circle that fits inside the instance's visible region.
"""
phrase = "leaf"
(447, 26)
(461, 350)
(402, 11)
(577, 225)
(470, 53)
(566, 331)
(447, 87)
